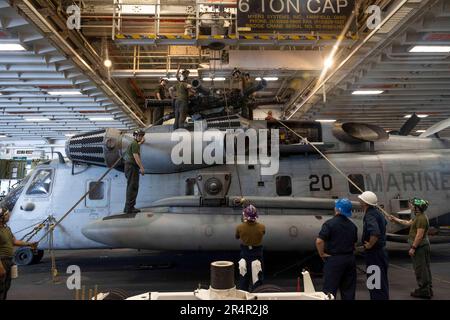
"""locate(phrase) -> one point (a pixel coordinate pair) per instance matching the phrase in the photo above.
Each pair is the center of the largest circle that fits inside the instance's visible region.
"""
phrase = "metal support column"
(197, 19)
(158, 17)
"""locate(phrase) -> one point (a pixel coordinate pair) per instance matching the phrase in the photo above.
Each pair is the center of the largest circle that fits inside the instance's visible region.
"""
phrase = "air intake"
(353, 132)
(99, 148)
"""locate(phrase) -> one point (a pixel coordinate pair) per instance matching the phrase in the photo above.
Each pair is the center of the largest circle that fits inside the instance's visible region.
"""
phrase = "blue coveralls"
(250, 255)
(375, 225)
(340, 236)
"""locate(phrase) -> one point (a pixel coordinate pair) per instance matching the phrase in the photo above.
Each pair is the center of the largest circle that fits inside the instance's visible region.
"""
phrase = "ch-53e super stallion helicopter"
(193, 206)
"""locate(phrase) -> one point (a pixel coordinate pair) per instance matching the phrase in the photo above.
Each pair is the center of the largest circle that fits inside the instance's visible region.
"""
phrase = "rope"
(54, 270)
(33, 232)
(229, 126)
(307, 142)
(52, 227)
(30, 226)
(330, 162)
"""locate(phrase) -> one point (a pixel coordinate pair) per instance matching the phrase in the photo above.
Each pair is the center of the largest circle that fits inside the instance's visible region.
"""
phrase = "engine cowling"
(354, 132)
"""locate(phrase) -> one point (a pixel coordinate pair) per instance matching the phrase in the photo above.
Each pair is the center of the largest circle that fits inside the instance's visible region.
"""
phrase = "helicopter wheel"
(26, 256)
(23, 256)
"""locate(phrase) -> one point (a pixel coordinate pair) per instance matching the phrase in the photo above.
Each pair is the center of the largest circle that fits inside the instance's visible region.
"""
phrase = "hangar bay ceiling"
(202, 36)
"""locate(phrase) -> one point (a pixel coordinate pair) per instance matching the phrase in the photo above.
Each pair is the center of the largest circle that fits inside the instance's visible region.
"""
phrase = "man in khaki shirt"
(251, 234)
(420, 247)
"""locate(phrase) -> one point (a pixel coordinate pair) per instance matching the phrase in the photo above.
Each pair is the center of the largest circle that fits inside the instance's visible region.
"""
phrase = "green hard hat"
(419, 203)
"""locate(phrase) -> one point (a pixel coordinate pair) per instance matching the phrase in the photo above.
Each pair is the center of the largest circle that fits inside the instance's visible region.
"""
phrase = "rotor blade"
(444, 124)
(409, 125)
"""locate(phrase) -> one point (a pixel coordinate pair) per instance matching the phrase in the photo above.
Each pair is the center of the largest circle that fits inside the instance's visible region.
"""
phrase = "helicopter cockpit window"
(96, 192)
(284, 186)
(41, 183)
(358, 179)
(11, 198)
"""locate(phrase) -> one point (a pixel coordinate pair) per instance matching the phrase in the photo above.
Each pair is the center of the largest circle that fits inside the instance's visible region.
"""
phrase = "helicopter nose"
(95, 231)
(120, 231)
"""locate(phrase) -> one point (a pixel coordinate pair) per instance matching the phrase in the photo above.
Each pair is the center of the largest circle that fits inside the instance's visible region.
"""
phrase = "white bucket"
(14, 271)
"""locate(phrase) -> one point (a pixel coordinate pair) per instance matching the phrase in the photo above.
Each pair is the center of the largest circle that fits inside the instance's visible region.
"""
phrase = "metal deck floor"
(137, 272)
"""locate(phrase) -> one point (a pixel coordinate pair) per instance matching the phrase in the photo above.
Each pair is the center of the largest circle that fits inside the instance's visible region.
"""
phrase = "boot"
(417, 294)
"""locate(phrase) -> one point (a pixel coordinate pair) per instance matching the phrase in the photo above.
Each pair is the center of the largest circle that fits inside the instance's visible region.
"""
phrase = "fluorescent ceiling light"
(2, 136)
(267, 79)
(69, 134)
(101, 118)
(420, 131)
(326, 120)
(430, 49)
(419, 115)
(64, 93)
(172, 79)
(367, 92)
(214, 79)
(36, 119)
(11, 47)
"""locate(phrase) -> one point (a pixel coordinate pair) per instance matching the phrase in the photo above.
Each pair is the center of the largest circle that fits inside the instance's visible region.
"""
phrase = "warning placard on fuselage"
(294, 16)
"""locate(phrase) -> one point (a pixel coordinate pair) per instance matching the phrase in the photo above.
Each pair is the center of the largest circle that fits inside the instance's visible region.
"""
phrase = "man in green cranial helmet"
(420, 246)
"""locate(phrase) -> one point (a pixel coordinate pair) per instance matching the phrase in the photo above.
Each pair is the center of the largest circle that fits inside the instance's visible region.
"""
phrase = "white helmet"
(369, 197)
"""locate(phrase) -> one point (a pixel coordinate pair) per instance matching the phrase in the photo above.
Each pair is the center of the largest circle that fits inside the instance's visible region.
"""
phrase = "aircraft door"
(37, 197)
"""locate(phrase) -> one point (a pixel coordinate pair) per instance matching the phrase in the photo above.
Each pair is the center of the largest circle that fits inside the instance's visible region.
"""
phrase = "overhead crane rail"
(276, 39)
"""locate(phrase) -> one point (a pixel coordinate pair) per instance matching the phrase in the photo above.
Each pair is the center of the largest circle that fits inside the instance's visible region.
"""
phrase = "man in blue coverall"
(374, 239)
(336, 245)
